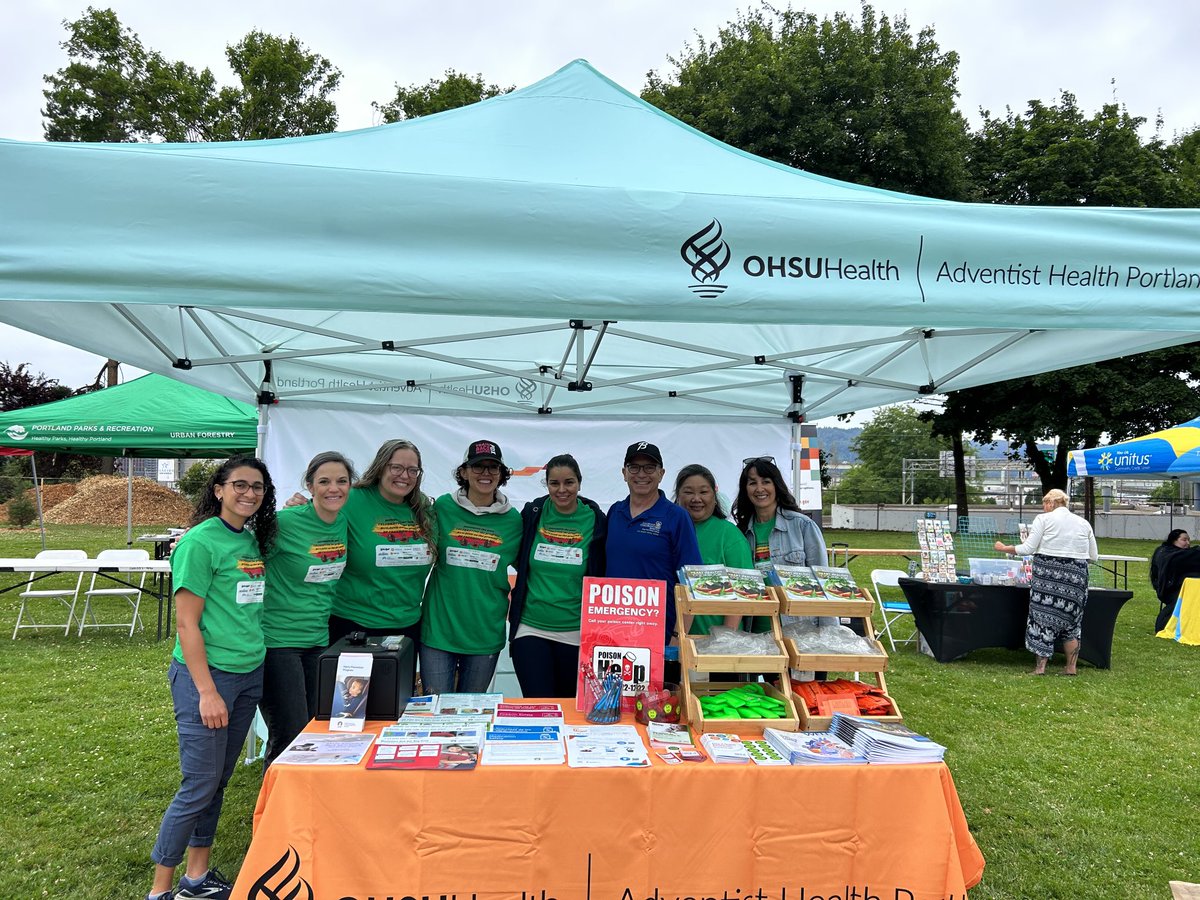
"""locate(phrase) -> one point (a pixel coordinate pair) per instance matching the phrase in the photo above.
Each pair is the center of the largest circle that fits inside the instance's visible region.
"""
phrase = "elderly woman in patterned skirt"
(1062, 544)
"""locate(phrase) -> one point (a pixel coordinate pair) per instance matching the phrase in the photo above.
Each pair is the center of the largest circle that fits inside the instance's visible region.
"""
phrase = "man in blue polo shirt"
(648, 535)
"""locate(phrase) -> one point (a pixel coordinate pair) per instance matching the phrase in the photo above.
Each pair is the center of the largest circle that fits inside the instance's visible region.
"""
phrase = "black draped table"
(958, 618)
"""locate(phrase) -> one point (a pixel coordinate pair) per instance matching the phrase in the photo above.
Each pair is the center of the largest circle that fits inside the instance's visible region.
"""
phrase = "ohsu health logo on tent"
(707, 254)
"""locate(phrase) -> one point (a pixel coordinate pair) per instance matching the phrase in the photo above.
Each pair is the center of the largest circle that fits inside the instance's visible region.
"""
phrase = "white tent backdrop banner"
(296, 432)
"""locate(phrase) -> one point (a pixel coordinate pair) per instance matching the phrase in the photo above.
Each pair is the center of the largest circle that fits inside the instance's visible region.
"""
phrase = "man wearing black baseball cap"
(648, 535)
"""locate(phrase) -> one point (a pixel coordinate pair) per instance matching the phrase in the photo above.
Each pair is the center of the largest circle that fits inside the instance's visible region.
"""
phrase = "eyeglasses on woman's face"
(410, 471)
(485, 468)
(241, 487)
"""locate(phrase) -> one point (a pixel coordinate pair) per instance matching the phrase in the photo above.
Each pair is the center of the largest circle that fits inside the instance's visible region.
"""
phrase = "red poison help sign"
(623, 630)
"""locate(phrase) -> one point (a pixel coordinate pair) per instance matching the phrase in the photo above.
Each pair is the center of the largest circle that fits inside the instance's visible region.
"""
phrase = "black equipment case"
(391, 675)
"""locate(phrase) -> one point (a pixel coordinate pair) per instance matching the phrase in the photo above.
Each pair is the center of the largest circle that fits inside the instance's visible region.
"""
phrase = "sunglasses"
(750, 460)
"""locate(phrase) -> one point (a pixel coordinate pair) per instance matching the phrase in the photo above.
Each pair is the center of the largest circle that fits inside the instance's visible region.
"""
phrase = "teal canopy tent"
(567, 250)
(151, 416)
(1170, 453)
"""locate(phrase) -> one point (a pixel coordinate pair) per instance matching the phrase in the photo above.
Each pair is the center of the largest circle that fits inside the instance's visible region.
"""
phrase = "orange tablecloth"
(696, 831)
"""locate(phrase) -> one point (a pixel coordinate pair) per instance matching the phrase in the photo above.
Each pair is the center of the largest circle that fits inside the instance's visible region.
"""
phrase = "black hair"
(743, 509)
(1173, 536)
(262, 523)
(461, 480)
(564, 460)
(704, 472)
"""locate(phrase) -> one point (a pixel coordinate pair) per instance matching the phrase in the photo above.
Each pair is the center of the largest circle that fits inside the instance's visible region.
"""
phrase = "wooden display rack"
(690, 661)
(873, 665)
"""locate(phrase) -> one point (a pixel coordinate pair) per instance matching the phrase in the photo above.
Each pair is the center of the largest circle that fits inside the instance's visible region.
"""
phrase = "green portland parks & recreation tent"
(565, 250)
(151, 416)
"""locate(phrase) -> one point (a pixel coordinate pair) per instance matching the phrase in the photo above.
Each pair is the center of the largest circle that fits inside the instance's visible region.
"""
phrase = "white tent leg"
(37, 492)
(128, 502)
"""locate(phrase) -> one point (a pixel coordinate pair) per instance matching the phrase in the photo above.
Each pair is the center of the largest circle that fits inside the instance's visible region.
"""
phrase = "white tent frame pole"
(128, 502)
(212, 339)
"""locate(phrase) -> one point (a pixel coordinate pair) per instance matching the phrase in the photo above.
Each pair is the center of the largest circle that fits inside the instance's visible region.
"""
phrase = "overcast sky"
(1010, 52)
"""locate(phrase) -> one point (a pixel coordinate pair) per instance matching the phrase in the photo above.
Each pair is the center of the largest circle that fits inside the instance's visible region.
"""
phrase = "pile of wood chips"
(101, 500)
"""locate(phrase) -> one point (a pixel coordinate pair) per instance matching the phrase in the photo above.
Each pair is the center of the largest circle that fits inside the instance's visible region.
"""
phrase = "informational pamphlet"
(514, 746)
(763, 754)
(320, 749)
(528, 714)
(669, 734)
(623, 630)
(813, 748)
(458, 756)
(468, 704)
(748, 584)
(838, 584)
(708, 582)
(724, 748)
(799, 583)
(349, 711)
(606, 746)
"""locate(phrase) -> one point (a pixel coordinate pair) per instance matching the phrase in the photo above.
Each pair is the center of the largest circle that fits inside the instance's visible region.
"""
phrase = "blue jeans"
(207, 758)
(441, 668)
(289, 694)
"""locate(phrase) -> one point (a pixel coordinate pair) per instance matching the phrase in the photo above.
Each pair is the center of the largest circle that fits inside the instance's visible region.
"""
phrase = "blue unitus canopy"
(1171, 452)
(565, 248)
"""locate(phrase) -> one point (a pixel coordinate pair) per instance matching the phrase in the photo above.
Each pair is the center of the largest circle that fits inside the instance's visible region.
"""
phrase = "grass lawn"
(1074, 788)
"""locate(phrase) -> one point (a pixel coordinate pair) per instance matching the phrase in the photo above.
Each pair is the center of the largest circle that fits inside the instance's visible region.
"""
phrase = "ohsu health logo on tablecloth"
(707, 254)
(282, 881)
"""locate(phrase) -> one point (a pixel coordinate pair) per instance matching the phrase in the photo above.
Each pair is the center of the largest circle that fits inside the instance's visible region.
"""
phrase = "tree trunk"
(961, 502)
(107, 463)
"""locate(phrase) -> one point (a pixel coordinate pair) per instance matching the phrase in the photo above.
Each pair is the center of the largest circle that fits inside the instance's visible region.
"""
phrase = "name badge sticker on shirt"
(403, 555)
(472, 559)
(554, 553)
(251, 591)
(320, 574)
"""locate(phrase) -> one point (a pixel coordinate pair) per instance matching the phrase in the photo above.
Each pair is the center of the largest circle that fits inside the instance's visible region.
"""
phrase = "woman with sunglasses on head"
(562, 540)
(216, 670)
(391, 534)
(775, 529)
(466, 601)
(721, 543)
(303, 572)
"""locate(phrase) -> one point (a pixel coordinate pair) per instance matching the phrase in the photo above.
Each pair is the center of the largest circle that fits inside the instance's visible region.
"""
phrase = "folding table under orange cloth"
(696, 830)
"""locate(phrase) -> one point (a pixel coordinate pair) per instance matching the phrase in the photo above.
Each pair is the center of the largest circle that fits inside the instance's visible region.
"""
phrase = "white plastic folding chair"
(66, 596)
(129, 593)
(892, 610)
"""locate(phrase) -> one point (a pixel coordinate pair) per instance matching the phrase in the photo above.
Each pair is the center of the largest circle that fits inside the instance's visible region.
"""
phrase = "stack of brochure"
(886, 742)
(724, 748)
(763, 754)
(523, 745)
(605, 746)
(313, 748)
(813, 748)
(528, 714)
(720, 583)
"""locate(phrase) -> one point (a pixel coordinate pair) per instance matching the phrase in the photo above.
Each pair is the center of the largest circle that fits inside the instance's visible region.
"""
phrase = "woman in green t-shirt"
(562, 540)
(721, 544)
(217, 666)
(478, 534)
(391, 536)
(302, 578)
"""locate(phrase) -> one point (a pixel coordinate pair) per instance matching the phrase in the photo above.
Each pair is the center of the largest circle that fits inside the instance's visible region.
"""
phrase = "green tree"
(22, 511)
(866, 102)
(895, 434)
(1167, 492)
(437, 95)
(284, 89)
(115, 89)
(1055, 155)
(193, 481)
(1078, 407)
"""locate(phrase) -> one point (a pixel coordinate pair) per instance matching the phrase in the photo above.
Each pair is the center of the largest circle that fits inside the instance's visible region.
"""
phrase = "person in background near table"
(648, 535)
(216, 670)
(775, 529)
(466, 602)
(562, 540)
(1062, 543)
(303, 571)
(391, 532)
(721, 544)
(1177, 540)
